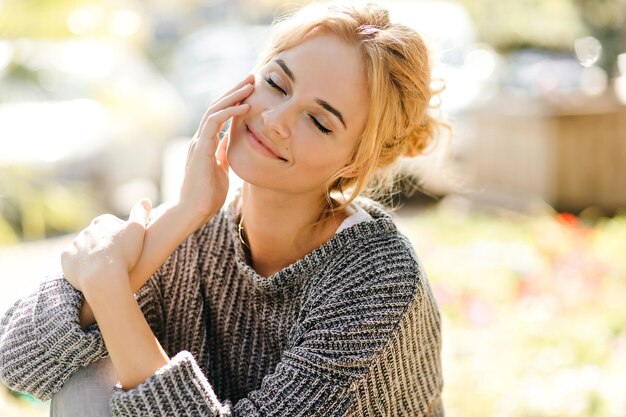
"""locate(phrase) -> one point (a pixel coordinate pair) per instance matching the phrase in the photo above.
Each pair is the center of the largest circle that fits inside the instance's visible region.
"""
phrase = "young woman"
(300, 298)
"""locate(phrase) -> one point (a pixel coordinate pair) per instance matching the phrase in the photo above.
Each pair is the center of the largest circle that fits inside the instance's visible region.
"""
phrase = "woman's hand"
(107, 247)
(205, 185)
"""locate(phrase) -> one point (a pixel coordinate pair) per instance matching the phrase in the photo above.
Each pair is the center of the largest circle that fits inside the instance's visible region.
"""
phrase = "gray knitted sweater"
(350, 329)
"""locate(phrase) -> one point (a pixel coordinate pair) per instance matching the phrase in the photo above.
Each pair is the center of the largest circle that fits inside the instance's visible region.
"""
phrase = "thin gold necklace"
(246, 248)
(240, 230)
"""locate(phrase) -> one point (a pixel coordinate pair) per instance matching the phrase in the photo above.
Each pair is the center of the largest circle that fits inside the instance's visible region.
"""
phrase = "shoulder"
(373, 291)
(372, 264)
(384, 268)
(374, 248)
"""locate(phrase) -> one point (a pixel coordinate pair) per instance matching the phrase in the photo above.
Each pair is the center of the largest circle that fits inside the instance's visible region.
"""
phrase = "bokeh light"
(588, 50)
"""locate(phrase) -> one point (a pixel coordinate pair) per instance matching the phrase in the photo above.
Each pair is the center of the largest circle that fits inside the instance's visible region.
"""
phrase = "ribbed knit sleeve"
(177, 389)
(41, 342)
(291, 391)
(181, 389)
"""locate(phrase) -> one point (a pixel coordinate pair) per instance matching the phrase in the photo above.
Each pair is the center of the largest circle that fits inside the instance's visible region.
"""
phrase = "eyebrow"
(319, 101)
(332, 110)
(286, 69)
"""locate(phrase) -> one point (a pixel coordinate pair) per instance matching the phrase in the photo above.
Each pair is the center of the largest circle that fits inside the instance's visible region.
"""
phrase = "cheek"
(320, 159)
(258, 95)
(236, 125)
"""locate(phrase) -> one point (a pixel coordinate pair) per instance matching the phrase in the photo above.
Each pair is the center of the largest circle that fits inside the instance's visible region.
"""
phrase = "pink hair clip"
(369, 30)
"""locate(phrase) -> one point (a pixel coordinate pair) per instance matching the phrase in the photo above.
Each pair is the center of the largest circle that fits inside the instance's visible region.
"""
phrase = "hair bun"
(421, 137)
(379, 15)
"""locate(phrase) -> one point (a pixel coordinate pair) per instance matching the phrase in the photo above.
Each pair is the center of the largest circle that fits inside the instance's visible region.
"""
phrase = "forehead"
(328, 68)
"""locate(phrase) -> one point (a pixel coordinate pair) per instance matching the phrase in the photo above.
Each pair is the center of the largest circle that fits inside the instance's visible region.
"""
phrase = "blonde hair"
(398, 69)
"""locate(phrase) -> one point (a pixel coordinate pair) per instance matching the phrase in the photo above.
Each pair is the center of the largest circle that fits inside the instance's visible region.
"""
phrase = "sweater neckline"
(381, 224)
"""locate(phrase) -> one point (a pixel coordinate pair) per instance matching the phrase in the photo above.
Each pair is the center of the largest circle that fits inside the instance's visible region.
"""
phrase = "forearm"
(163, 235)
(135, 352)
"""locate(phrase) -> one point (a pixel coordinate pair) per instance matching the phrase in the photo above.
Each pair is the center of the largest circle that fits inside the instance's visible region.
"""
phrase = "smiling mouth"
(263, 145)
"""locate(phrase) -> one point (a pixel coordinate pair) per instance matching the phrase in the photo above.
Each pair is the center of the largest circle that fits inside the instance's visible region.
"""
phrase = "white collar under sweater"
(359, 215)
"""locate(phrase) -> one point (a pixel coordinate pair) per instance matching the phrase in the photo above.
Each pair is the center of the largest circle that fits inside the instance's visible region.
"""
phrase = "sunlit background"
(520, 222)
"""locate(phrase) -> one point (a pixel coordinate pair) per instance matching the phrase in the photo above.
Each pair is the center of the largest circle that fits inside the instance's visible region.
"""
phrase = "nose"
(277, 119)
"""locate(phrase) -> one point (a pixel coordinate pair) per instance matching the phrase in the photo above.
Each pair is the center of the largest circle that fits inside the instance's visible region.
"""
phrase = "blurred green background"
(520, 219)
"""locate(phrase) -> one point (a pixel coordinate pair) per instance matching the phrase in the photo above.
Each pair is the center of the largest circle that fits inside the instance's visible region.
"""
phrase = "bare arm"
(135, 351)
(163, 235)
(202, 194)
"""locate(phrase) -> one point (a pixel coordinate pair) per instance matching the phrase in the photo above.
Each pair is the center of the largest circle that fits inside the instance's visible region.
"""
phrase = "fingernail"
(146, 203)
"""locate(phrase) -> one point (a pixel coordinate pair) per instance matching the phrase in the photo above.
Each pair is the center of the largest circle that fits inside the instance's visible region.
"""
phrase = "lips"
(266, 143)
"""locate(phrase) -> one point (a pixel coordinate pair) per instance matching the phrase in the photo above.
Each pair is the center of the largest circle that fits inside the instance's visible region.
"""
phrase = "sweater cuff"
(177, 389)
(56, 322)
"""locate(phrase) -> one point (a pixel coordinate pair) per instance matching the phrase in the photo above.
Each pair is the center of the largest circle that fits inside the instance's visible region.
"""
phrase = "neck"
(276, 226)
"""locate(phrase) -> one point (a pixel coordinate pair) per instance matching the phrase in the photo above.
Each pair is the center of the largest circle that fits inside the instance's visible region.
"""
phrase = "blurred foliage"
(509, 25)
(513, 24)
(36, 18)
(32, 206)
(16, 404)
(58, 19)
(532, 316)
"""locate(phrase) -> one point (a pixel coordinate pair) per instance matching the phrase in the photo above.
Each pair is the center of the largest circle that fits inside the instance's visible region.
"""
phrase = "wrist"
(99, 282)
(106, 298)
(189, 217)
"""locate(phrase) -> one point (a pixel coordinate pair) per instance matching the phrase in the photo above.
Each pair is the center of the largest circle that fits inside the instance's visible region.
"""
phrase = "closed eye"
(274, 85)
(320, 126)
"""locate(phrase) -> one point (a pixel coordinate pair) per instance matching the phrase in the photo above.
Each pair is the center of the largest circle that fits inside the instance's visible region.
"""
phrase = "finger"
(207, 144)
(249, 79)
(221, 152)
(229, 100)
(191, 149)
(231, 97)
(140, 212)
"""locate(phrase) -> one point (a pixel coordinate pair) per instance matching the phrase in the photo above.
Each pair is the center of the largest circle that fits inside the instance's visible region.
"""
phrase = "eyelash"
(274, 85)
(322, 129)
(319, 126)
